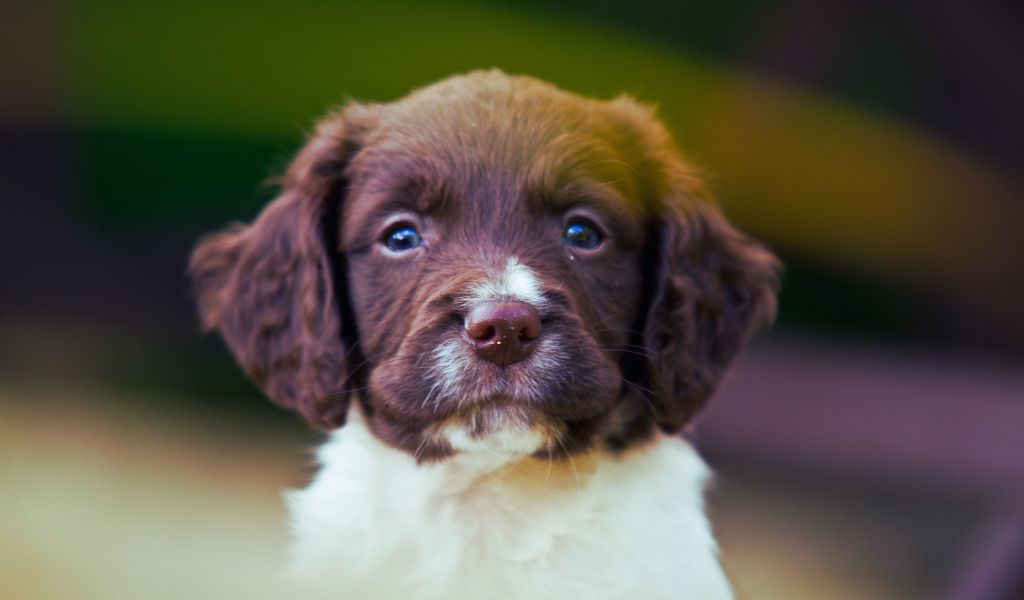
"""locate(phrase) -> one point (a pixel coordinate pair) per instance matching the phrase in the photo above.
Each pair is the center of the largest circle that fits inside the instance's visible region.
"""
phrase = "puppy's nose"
(503, 332)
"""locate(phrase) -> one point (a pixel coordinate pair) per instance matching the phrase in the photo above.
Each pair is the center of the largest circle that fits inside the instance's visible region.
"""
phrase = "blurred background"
(871, 445)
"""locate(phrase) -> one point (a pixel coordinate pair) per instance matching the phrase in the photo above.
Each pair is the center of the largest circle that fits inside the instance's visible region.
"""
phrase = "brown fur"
(487, 166)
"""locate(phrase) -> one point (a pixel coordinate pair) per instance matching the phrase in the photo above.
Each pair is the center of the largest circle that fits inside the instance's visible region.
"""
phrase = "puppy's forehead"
(519, 135)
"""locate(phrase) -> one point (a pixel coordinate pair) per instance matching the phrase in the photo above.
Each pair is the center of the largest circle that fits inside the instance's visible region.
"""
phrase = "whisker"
(643, 393)
(629, 330)
(635, 386)
(641, 352)
(572, 463)
(419, 449)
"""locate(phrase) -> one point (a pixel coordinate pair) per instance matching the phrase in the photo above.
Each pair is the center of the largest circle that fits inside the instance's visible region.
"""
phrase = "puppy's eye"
(403, 238)
(582, 235)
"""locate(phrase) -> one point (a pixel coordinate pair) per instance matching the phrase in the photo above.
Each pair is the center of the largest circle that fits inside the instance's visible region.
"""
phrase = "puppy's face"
(493, 244)
(496, 266)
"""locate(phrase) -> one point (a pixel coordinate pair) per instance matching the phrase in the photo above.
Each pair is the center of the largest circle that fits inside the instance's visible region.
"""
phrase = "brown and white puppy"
(516, 297)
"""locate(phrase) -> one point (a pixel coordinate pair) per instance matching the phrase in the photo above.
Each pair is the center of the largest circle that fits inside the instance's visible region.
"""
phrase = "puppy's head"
(490, 264)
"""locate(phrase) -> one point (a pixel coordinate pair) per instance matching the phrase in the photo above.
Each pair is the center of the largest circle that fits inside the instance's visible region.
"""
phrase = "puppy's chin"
(502, 432)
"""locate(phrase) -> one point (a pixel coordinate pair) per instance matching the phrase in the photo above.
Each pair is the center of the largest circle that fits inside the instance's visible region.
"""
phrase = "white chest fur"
(373, 524)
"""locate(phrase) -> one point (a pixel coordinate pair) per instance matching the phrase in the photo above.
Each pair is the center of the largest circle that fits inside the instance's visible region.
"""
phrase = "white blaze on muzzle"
(515, 281)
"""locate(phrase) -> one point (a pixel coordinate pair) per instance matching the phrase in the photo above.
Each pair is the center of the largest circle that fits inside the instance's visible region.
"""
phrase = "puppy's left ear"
(710, 289)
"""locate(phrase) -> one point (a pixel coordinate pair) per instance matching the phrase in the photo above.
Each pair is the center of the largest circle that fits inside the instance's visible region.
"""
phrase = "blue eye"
(403, 239)
(582, 236)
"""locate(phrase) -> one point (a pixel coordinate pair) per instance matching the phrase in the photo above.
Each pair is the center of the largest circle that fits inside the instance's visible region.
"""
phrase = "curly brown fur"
(488, 166)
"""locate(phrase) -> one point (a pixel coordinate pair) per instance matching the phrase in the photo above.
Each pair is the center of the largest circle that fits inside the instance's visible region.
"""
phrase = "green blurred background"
(868, 447)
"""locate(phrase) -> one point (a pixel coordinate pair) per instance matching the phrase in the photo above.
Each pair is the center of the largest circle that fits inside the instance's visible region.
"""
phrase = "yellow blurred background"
(870, 446)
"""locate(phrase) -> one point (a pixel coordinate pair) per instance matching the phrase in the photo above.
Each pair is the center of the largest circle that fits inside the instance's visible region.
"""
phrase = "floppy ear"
(272, 288)
(712, 288)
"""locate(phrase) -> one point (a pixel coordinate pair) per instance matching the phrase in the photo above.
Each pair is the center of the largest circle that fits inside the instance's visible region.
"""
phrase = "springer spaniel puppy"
(504, 302)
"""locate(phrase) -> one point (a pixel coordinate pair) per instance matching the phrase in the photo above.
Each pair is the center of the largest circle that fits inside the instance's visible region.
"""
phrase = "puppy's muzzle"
(503, 332)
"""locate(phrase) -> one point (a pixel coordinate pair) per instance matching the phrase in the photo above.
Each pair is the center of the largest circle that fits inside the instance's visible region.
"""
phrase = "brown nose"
(503, 332)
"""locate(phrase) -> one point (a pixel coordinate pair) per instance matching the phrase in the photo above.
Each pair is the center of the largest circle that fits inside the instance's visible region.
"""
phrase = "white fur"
(515, 281)
(480, 526)
(509, 435)
(449, 365)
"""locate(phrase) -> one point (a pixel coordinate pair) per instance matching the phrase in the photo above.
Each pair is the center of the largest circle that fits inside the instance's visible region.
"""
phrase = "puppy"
(504, 302)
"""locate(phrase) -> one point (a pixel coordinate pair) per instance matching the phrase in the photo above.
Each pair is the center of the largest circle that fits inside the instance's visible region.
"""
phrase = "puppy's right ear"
(270, 287)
